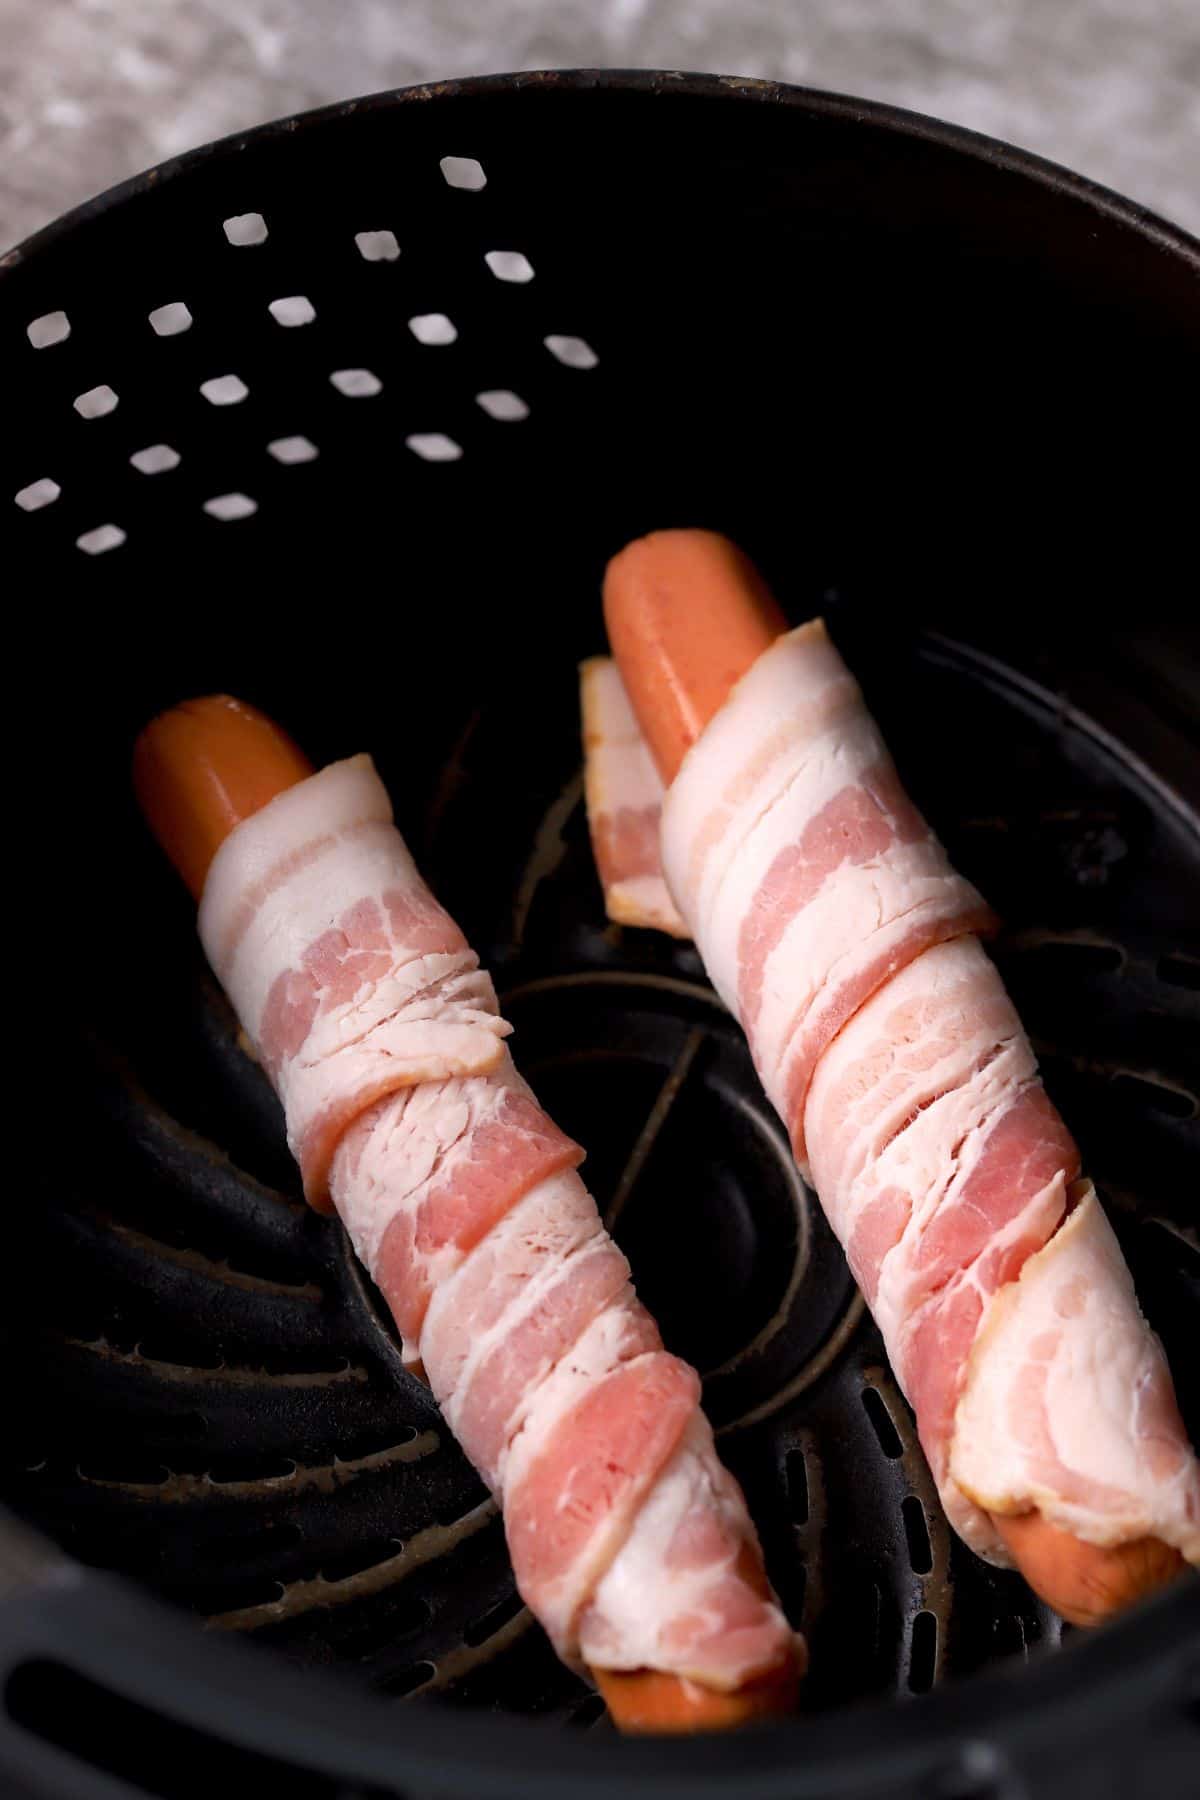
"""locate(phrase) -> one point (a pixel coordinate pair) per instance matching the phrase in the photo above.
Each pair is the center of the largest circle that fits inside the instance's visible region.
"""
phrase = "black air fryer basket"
(345, 417)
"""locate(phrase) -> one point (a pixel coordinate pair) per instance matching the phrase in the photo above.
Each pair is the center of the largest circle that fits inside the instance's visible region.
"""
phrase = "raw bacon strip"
(694, 1531)
(459, 1194)
(888, 1045)
(348, 977)
(570, 1503)
(834, 927)
(515, 1345)
(919, 1039)
(494, 1401)
(468, 1311)
(523, 1347)
(420, 1178)
(807, 876)
(1068, 1404)
(942, 1166)
(831, 924)
(624, 803)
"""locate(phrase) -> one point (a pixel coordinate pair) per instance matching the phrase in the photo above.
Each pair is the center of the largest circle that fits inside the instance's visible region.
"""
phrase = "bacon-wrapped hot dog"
(383, 1038)
(834, 927)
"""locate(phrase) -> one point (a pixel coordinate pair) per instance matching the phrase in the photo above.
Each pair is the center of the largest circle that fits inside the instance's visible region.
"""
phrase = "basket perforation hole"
(434, 446)
(50, 329)
(1180, 971)
(262, 1540)
(245, 228)
(155, 459)
(463, 172)
(1070, 956)
(238, 1592)
(177, 1349)
(1171, 1242)
(362, 1557)
(377, 246)
(224, 390)
(356, 384)
(922, 1654)
(572, 352)
(875, 1407)
(392, 1437)
(407, 1680)
(916, 1530)
(122, 1465)
(1009, 1636)
(251, 1465)
(228, 507)
(866, 1597)
(292, 450)
(191, 1424)
(502, 404)
(796, 1480)
(170, 320)
(96, 402)
(100, 539)
(38, 494)
(590, 1711)
(433, 328)
(1148, 1095)
(292, 309)
(509, 265)
(494, 1619)
(797, 1589)
(401, 1620)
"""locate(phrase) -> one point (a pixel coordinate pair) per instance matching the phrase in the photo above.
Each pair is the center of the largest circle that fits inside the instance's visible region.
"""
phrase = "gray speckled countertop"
(93, 90)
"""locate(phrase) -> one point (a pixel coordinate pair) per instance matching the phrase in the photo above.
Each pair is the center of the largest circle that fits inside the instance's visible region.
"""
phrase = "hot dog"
(693, 631)
(203, 767)
(462, 1197)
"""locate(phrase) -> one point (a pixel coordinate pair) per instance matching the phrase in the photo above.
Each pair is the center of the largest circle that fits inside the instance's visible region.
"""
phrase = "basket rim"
(1015, 1719)
(649, 84)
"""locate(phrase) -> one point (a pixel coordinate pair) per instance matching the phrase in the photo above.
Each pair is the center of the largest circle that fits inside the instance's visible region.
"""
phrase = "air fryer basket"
(345, 417)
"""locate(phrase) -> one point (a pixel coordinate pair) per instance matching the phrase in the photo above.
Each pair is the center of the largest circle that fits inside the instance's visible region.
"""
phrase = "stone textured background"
(94, 90)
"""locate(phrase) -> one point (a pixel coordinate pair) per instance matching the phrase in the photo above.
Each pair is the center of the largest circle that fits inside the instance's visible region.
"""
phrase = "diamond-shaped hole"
(292, 449)
(170, 320)
(509, 265)
(432, 328)
(230, 506)
(103, 537)
(356, 384)
(224, 390)
(502, 403)
(96, 402)
(463, 172)
(155, 459)
(434, 446)
(377, 246)
(51, 328)
(246, 228)
(37, 494)
(296, 309)
(574, 352)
